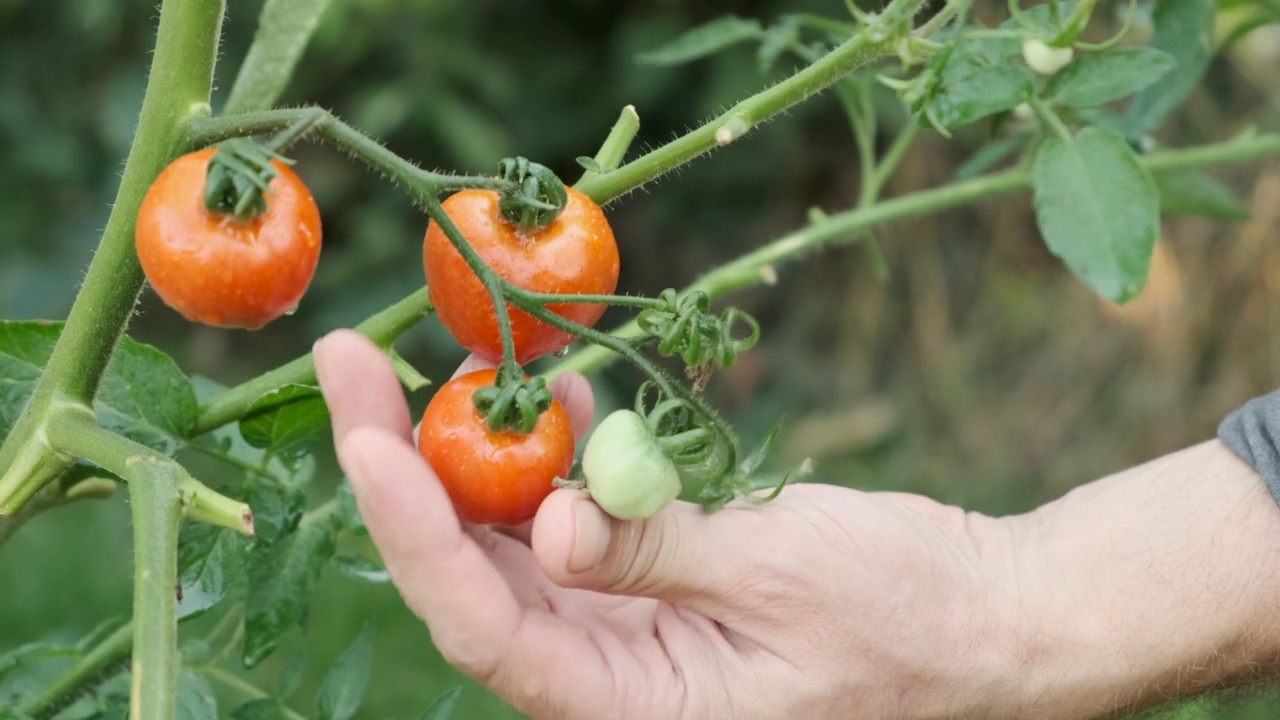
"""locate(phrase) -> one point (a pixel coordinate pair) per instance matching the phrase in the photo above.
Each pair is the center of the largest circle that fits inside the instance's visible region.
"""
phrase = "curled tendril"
(513, 402)
(237, 178)
(685, 325)
(538, 198)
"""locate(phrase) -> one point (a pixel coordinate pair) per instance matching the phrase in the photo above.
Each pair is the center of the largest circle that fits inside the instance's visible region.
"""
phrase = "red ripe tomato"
(499, 478)
(575, 254)
(217, 270)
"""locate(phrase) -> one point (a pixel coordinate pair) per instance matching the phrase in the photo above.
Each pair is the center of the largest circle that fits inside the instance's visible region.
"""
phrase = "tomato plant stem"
(615, 145)
(157, 512)
(99, 664)
(757, 267)
(246, 689)
(633, 301)
(419, 184)
(178, 88)
(382, 328)
(75, 431)
(880, 38)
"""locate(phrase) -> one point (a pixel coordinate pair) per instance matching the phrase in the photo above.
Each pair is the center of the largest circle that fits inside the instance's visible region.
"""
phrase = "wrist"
(1159, 582)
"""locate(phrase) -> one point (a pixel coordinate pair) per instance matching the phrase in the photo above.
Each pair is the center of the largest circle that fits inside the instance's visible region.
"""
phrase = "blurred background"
(978, 371)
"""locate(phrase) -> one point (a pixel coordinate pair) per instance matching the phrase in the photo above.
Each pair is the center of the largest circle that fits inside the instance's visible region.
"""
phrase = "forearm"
(1156, 583)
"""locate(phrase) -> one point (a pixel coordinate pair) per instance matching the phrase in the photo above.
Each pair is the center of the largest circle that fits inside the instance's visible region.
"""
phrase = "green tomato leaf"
(348, 510)
(975, 78)
(757, 457)
(195, 698)
(343, 687)
(291, 675)
(25, 348)
(146, 397)
(210, 560)
(260, 709)
(276, 509)
(1041, 19)
(1192, 192)
(704, 40)
(286, 421)
(32, 652)
(776, 40)
(442, 708)
(589, 163)
(103, 630)
(284, 27)
(1098, 210)
(988, 155)
(1183, 28)
(1103, 77)
(281, 577)
(357, 566)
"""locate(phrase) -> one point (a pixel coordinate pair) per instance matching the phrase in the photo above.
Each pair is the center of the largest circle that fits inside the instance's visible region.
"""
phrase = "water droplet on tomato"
(561, 352)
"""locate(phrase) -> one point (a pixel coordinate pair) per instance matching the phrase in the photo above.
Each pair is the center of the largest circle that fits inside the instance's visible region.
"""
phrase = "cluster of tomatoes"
(218, 265)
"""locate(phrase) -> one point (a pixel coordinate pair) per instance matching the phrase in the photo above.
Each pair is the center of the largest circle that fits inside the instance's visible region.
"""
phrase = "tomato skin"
(492, 478)
(575, 254)
(627, 473)
(220, 271)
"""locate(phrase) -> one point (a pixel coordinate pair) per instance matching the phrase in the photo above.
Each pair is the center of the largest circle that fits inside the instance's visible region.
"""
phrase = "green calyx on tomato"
(626, 470)
(238, 178)
(538, 198)
(513, 402)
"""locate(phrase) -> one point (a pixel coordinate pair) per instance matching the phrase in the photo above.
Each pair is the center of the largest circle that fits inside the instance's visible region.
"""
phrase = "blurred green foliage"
(978, 372)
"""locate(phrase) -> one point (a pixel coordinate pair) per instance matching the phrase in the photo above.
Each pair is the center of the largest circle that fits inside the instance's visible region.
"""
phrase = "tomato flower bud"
(1045, 59)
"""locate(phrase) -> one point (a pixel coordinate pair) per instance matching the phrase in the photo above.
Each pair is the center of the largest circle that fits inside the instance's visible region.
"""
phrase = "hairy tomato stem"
(177, 89)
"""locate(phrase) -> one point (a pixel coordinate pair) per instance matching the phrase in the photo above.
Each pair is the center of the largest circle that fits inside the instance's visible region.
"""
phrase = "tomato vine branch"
(418, 183)
(879, 38)
(75, 431)
(182, 74)
(383, 328)
(757, 267)
(99, 664)
(157, 513)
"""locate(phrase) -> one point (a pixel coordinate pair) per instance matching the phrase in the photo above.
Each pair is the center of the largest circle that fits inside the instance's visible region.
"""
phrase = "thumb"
(681, 555)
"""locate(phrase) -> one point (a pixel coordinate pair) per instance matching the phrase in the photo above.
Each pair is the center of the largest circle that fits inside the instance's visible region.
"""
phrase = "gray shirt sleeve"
(1253, 433)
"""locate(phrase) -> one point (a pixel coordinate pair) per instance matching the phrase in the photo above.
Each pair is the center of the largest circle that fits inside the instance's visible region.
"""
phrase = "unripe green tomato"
(1045, 59)
(627, 473)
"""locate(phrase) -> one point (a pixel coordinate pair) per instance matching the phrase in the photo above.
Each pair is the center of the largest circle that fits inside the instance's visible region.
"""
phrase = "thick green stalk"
(757, 267)
(178, 89)
(880, 39)
(382, 328)
(157, 513)
(77, 433)
(73, 683)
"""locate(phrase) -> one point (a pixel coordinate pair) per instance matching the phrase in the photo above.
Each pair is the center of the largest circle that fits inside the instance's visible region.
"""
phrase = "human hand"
(824, 603)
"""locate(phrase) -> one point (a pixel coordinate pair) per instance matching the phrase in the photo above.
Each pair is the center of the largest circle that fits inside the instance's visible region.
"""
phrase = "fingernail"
(591, 532)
